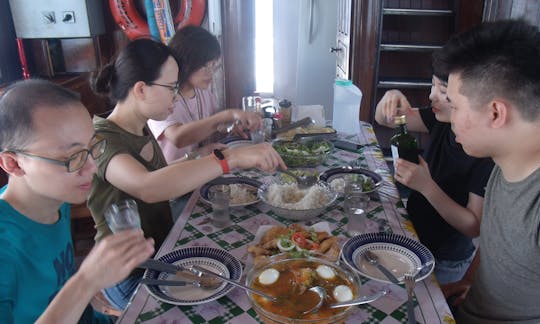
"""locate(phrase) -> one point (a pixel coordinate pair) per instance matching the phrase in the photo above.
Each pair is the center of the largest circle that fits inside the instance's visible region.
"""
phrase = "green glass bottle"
(403, 144)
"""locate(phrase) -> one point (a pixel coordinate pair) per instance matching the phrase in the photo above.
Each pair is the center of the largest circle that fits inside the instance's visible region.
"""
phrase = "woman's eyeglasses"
(76, 161)
(173, 88)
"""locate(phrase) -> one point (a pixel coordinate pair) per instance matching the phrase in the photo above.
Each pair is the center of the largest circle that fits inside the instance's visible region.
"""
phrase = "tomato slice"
(299, 240)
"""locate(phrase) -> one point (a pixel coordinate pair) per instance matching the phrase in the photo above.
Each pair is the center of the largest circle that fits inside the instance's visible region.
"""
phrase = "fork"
(410, 281)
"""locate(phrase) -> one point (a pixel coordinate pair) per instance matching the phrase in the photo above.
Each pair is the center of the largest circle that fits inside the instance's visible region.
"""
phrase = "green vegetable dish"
(299, 173)
(365, 182)
(303, 154)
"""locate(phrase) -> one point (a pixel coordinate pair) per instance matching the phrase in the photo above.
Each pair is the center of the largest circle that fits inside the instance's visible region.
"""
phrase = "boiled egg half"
(325, 272)
(342, 293)
(269, 276)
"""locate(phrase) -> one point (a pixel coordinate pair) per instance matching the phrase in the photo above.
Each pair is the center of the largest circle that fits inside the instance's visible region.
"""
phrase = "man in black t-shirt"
(445, 204)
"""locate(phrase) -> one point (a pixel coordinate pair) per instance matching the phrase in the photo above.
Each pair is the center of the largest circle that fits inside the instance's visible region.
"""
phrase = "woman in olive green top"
(143, 82)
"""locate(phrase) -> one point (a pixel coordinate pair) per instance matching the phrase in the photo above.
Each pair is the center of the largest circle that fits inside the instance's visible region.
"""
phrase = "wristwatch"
(218, 155)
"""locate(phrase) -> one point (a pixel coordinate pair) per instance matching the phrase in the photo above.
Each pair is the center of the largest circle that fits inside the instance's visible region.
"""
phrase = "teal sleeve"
(7, 289)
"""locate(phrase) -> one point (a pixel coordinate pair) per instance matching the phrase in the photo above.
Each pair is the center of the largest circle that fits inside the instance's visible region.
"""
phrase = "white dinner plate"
(397, 253)
(216, 260)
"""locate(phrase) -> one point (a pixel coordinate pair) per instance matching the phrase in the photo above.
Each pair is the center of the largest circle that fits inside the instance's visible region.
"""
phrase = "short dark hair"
(18, 104)
(500, 58)
(193, 47)
(140, 60)
(437, 70)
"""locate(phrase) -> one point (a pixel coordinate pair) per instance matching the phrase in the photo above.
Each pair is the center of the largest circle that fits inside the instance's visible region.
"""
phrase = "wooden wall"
(502, 9)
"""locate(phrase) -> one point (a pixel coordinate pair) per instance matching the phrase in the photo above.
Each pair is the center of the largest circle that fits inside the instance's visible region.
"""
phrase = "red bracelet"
(218, 155)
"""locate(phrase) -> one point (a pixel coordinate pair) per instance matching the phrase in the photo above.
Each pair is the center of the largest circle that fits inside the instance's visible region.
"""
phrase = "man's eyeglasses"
(76, 161)
(173, 88)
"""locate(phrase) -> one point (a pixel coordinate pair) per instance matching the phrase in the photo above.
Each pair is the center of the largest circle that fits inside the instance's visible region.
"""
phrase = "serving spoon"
(203, 271)
(303, 181)
(359, 301)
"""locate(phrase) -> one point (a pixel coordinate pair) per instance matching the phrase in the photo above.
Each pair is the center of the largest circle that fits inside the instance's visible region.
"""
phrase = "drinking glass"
(355, 197)
(248, 104)
(123, 215)
(357, 221)
(257, 135)
(355, 204)
(219, 199)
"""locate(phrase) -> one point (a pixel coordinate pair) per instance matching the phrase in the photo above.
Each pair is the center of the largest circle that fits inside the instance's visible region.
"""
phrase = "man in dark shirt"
(445, 204)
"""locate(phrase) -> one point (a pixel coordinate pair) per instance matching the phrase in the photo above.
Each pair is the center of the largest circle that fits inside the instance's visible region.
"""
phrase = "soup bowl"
(288, 278)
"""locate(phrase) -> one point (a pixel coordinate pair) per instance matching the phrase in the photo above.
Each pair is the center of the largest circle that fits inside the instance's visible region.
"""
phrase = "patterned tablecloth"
(193, 229)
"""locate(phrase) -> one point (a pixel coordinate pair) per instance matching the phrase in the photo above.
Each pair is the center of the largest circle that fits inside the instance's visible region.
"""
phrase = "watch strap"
(218, 155)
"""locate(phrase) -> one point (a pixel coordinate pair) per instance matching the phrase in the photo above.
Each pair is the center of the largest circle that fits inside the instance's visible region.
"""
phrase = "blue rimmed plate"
(217, 260)
(248, 184)
(340, 173)
(397, 253)
(236, 141)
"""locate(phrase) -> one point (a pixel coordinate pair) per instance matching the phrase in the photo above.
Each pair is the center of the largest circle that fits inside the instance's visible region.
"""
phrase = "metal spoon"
(304, 181)
(204, 271)
(359, 301)
(373, 259)
(223, 128)
(183, 274)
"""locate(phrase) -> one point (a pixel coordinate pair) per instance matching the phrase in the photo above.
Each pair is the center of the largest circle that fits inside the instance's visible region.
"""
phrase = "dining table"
(194, 228)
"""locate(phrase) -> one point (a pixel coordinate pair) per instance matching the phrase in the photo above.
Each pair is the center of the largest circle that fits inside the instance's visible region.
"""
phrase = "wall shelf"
(408, 33)
(409, 47)
(416, 12)
(393, 84)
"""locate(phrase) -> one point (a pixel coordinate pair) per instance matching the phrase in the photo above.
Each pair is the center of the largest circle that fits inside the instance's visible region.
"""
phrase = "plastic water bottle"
(347, 99)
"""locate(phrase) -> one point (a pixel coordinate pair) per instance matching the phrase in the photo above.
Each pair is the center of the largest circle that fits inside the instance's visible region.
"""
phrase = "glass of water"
(248, 104)
(123, 215)
(219, 198)
(257, 135)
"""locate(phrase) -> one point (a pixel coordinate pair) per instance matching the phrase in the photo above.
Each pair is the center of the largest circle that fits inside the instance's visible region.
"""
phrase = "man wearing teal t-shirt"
(48, 147)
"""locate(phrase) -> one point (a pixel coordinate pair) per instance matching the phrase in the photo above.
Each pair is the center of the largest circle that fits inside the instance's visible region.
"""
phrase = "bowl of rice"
(242, 190)
(290, 202)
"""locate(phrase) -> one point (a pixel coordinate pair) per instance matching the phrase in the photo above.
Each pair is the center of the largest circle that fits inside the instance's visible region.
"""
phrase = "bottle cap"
(344, 83)
(400, 120)
(284, 103)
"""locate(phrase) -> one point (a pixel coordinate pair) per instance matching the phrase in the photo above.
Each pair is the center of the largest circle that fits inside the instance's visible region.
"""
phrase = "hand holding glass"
(123, 215)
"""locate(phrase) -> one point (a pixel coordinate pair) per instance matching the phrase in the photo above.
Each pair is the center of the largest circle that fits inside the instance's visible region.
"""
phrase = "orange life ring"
(126, 16)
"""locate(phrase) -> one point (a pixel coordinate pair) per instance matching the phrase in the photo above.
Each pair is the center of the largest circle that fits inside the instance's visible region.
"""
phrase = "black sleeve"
(428, 117)
(480, 175)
